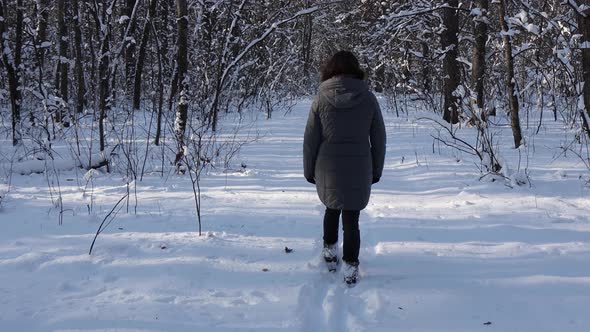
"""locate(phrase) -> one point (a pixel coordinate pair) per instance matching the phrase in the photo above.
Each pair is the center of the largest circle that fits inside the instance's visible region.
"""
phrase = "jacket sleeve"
(311, 141)
(378, 140)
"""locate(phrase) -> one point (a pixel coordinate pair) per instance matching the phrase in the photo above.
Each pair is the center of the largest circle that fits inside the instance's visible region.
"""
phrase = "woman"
(343, 154)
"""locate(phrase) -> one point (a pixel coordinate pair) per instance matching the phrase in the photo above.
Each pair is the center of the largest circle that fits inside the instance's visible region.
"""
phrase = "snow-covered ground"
(441, 250)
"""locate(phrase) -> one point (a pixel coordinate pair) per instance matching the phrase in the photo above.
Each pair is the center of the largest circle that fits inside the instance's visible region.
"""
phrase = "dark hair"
(342, 63)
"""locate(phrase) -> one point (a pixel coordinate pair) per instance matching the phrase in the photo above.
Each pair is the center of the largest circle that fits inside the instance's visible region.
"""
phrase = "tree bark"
(451, 68)
(164, 13)
(12, 64)
(42, 7)
(160, 25)
(584, 30)
(307, 42)
(182, 68)
(426, 72)
(479, 54)
(103, 73)
(141, 56)
(62, 62)
(130, 61)
(160, 98)
(80, 83)
(511, 80)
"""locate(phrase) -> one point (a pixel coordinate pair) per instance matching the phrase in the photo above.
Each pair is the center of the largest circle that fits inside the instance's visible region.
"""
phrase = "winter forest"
(151, 165)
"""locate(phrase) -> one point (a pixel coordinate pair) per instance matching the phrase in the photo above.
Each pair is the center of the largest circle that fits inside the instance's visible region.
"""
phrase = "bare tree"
(162, 45)
(42, 9)
(181, 70)
(451, 68)
(306, 47)
(510, 79)
(479, 53)
(139, 64)
(61, 81)
(12, 62)
(103, 28)
(79, 68)
(130, 61)
(583, 18)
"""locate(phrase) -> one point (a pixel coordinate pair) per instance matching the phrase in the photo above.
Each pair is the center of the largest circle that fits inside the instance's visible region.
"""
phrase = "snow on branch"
(417, 12)
(231, 28)
(267, 33)
(580, 9)
(130, 24)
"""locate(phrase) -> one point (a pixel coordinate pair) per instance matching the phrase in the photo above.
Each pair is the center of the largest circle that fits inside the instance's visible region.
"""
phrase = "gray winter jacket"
(344, 143)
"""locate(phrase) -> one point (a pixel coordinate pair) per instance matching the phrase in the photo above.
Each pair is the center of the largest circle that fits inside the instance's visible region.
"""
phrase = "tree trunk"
(511, 81)
(160, 25)
(182, 68)
(451, 68)
(164, 13)
(62, 62)
(12, 65)
(80, 84)
(584, 30)
(307, 42)
(426, 73)
(42, 7)
(103, 75)
(479, 54)
(160, 98)
(141, 56)
(130, 50)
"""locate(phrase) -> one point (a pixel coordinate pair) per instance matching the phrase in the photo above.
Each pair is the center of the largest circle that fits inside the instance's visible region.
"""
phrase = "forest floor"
(442, 249)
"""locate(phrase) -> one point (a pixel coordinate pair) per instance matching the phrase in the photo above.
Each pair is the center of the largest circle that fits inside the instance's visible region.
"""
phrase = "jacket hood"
(344, 92)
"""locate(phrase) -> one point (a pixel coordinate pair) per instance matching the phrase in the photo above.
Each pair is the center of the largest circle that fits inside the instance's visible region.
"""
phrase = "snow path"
(441, 251)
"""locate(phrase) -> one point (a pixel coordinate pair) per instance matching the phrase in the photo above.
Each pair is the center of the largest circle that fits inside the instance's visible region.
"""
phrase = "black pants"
(350, 226)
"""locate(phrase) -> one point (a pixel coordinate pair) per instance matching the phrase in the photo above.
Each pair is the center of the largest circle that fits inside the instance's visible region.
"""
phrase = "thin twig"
(100, 228)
